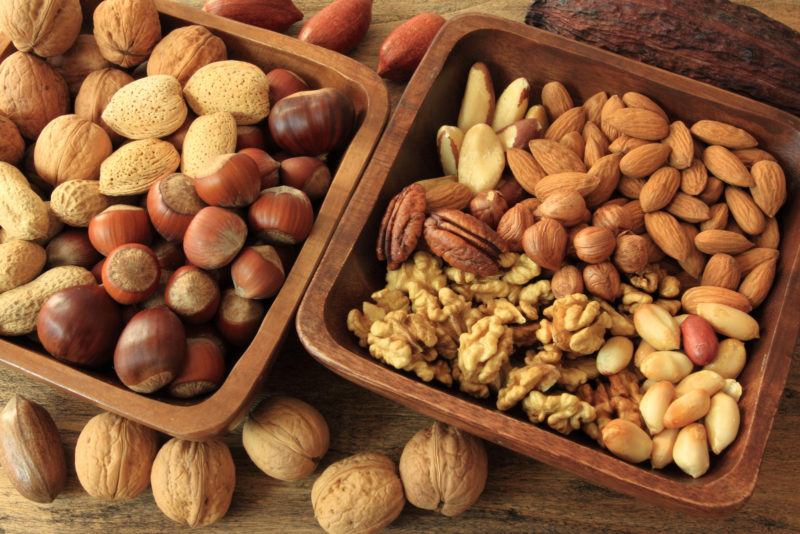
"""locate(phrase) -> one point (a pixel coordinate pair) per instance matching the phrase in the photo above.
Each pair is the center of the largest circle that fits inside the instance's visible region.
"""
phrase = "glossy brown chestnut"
(80, 325)
(312, 123)
(214, 237)
(308, 174)
(97, 271)
(71, 247)
(258, 272)
(203, 369)
(282, 215)
(118, 225)
(238, 318)
(169, 253)
(150, 350)
(230, 181)
(249, 137)
(192, 294)
(282, 83)
(172, 202)
(267, 166)
(130, 273)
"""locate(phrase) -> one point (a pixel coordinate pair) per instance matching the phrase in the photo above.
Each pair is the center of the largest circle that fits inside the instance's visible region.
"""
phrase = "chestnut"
(214, 237)
(249, 137)
(192, 294)
(311, 123)
(258, 272)
(118, 225)
(80, 325)
(282, 214)
(203, 369)
(238, 318)
(130, 273)
(282, 83)
(150, 350)
(172, 202)
(170, 254)
(229, 180)
(71, 247)
(308, 174)
(97, 271)
(267, 166)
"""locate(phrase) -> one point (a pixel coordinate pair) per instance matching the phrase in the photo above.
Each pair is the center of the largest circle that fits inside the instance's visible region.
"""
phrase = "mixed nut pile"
(158, 186)
(605, 284)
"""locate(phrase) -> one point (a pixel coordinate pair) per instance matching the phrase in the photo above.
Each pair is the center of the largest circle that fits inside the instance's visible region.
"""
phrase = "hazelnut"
(239, 318)
(71, 247)
(282, 83)
(282, 215)
(308, 174)
(192, 294)
(612, 216)
(513, 224)
(602, 280)
(130, 273)
(203, 369)
(258, 272)
(635, 217)
(594, 244)
(113, 457)
(150, 350)
(267, 166)
(172, 203)
(229, 180)
(158, 298)
(170, 255)
(443, 469)
(214, 237)
(285, 438)
(193, 481)
(509, 187)
(566, 281)
(312, 123)
(31, 451)
(119, 225)
(80, 325)
(488, 207)
(631, 253)
(361, 493)
(545, 242)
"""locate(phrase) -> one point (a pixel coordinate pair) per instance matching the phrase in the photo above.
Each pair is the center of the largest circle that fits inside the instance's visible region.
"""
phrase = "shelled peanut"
(184, 260)
(595, 263)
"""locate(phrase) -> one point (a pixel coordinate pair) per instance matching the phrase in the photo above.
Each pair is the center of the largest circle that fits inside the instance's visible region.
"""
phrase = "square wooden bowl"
(223, 409)
(349, 271)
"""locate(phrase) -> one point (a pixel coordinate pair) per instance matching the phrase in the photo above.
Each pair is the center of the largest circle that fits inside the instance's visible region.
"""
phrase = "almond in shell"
(134, 167)
(769, 191)
(723, 134)
(644, 160)
(150, 107)
(660, 189)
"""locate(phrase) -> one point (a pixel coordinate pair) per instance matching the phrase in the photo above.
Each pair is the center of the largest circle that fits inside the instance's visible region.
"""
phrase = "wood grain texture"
(521, 495)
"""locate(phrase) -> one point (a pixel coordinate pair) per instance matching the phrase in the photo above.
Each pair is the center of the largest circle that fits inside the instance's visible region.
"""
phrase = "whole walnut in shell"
(78, 62)
(184, 50)
(126, 30)
(443, 469)
(31, 93)
(70, 148)
(95, 94)
(113, 457)
(285, 438)
(193, 481)
(360, 494)
(45, 27)
(12, 145)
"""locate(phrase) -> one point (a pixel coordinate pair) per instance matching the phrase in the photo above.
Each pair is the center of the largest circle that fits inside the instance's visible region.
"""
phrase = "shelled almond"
(611, 291)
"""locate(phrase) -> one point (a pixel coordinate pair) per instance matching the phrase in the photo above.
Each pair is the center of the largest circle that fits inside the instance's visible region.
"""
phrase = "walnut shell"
(113, 457)
(193, 481)
(95, 94)
(126, 30)
(12, 145)
(443, 469)
(78, 62)
(185, 50)
(70, 148)
(46, 27)
(361, 494)
(31, 93)
(285, 438)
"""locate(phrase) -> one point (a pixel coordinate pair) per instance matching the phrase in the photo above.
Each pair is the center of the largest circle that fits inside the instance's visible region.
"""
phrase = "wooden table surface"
(521, 495)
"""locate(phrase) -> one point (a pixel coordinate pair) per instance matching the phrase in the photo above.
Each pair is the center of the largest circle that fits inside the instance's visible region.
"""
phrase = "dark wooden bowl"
(222, 410)
(349, 271)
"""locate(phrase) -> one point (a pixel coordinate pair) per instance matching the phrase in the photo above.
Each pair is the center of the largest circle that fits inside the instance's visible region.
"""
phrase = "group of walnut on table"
(605, 284)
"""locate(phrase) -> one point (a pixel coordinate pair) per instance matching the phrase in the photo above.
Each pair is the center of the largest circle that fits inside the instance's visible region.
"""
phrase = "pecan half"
(464, 242)
(401, 226)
